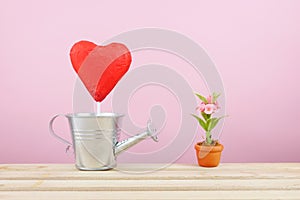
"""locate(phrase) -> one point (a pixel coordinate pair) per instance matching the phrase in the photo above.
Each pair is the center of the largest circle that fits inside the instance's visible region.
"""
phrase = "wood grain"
(150, 195)
(144, 181)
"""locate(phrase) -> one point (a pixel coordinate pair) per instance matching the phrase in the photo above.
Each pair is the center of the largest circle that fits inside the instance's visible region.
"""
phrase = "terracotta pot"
(208, 156)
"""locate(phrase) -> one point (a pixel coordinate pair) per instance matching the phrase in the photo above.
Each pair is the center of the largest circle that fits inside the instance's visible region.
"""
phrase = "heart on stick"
(100, 67)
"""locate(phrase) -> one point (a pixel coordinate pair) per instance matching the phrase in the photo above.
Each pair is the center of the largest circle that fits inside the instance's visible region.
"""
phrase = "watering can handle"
(54, 134)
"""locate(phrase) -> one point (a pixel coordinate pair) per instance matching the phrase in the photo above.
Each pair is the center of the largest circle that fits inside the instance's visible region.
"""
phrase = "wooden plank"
(149, 185)
(159, 175)
(150, 195)
(178, 181)
(149, 167)
(179, 172)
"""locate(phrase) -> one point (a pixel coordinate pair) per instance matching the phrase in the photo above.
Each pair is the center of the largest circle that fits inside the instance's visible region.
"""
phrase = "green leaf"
(202, 98)
(215, 97)
(201, 122)
(205, 116)
(212, 122)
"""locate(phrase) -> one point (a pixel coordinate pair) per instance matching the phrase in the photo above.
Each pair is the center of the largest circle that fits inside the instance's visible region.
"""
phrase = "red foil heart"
(100, 67)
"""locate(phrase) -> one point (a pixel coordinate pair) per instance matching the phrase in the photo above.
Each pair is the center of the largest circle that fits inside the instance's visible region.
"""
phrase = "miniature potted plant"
(208, 151)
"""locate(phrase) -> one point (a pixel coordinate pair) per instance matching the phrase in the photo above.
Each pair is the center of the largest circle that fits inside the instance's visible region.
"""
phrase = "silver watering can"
(95, 139)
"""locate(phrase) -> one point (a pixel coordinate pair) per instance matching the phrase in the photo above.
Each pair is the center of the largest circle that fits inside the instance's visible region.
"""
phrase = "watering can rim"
(92, 115)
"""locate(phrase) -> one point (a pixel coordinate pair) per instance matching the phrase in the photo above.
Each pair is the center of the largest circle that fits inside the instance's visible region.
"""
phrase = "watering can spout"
(129, 142)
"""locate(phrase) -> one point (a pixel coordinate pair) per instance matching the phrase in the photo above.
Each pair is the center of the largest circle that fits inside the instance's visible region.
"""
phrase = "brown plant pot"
(208, 156)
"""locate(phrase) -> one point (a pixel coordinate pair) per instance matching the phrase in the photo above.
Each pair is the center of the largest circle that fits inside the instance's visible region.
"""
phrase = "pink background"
(254, 44)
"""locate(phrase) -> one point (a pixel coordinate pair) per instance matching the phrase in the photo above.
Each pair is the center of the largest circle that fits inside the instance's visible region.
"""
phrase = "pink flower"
(201, 107)
(209, 99)
(210, 108)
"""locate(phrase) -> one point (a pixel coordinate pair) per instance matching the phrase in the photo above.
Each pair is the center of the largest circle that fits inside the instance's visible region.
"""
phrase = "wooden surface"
(143, 181)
